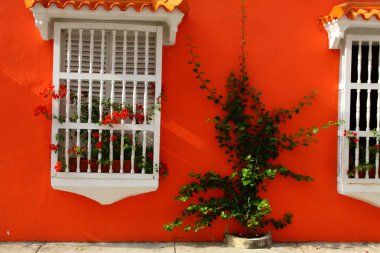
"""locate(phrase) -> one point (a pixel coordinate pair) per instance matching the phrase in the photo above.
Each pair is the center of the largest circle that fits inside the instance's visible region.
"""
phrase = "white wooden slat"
(369, 62)
(145, 122)
(359, 61)
(124, 58)
(89, 132)
(119, 127)
(101, 95)
(157, 114)
(368, 125)
(112, 94)
(67, 145)
(107, 77)
(79, 95)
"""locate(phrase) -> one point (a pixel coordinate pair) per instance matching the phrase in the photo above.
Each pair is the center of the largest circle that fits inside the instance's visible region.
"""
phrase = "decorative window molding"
(108, 65)
(354, 29)
(168, 14)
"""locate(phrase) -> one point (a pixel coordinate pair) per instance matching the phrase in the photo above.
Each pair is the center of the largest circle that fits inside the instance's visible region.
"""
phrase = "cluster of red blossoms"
(58, 166)
(351, 135)
(96, 135)
(117, 117)
(54, 147)
(47, 92)
(75, 150)
(99, 145)
(41, 110)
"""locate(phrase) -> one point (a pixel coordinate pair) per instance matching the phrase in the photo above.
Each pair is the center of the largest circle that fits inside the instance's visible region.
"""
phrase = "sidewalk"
(183, 248)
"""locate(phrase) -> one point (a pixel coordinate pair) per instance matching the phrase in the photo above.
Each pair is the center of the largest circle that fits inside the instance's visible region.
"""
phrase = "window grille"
(107, 69)
(360, 109)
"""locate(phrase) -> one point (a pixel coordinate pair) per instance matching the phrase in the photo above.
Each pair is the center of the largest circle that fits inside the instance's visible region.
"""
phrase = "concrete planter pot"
(232, 240)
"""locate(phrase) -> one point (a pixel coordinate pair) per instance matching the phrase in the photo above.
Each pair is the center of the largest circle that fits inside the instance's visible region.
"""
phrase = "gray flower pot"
(232, 240)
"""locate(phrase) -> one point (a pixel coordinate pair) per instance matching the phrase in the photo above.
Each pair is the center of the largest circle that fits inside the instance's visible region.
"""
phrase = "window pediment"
(168, 13)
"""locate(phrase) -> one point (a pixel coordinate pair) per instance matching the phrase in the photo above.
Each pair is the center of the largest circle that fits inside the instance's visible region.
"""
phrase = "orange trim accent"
(353, 10)
(153, 5)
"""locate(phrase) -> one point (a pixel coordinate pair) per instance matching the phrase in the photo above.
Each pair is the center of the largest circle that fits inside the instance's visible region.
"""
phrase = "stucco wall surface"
(288, 57)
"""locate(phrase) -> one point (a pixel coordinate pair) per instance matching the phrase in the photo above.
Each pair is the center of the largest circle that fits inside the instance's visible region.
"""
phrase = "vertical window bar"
(359, 62)
(79, 93)
(357, 130)
(90, 99)
(368, 103)
(123, 101)
(112, 94)
(102, 52)
(369, 62)
(67, 137)
(359, 67)
(145, 98)
(134, 100)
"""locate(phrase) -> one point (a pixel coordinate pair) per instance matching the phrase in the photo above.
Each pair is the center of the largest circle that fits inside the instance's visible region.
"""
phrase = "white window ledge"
(106, 189)
(45, 18)
(368, 191)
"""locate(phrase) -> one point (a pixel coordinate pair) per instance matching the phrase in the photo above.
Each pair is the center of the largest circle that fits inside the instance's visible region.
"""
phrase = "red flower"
(58, 166)
(139, 118)
(96, 135)
(113, 138)
(108, 120)
(46, 92)
(355, 140)
(77, 150)
(41, 110)
(54, 147)
(345, 133)
(99, 145)
(139, 108)
(124, 114)
(164, 169)
(61, 93)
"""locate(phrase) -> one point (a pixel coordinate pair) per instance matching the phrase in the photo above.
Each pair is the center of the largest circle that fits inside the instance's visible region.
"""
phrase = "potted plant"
(251, 136)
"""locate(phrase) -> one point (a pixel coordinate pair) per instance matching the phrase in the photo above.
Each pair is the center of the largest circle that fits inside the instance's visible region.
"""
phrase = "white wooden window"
(107, 68)
(359, 107)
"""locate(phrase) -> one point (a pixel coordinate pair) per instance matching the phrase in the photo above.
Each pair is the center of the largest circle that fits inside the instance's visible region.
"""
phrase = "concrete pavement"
(35, 247)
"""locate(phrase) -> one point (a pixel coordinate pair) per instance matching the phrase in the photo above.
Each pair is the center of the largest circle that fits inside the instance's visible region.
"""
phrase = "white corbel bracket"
(45, 18)
(337, 29)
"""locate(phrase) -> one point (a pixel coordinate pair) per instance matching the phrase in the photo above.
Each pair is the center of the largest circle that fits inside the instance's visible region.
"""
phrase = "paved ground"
(184, 248)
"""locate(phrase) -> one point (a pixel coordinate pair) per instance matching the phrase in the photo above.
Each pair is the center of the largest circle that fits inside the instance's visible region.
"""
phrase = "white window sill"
(105, 190)
(367, 190)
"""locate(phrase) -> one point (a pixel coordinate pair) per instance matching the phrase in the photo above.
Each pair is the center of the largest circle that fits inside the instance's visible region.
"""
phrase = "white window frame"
(342, 32)
(106, 188)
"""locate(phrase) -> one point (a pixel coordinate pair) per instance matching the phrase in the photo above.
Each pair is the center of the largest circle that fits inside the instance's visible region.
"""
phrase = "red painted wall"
(288, 57)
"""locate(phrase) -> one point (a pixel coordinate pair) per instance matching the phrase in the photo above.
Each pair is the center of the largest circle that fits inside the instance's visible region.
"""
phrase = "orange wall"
(289, 57)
